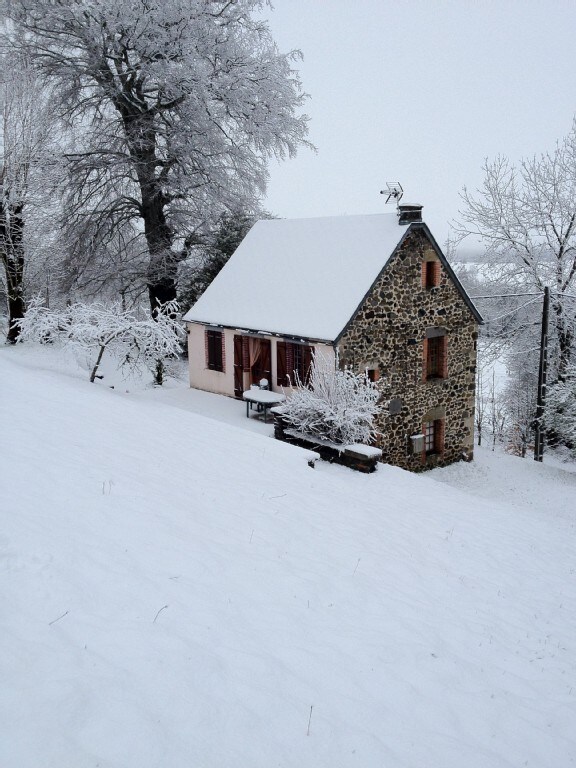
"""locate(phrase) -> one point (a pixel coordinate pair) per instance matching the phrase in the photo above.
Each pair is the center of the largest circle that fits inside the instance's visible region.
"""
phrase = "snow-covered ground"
(187, 593)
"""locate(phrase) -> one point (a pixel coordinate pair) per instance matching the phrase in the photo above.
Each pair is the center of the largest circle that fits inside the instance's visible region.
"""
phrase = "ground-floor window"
(293, 362)
(215, 350)
(433, 436)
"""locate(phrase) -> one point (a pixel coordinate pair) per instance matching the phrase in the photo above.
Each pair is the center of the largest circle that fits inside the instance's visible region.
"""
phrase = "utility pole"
(542, 371)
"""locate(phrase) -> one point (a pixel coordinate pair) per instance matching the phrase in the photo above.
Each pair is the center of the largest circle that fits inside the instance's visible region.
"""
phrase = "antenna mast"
(394, 191)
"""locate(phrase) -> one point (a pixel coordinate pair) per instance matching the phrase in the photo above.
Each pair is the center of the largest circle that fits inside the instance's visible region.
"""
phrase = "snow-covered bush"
(95, 328)
(338, 405)
(560, 416)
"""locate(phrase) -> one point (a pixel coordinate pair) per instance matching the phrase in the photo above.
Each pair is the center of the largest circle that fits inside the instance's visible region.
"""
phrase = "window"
(435, 354)
(433, 362)
(373, 374)
(431, 274)
(433, 437)
(214, 350)
(293, 363)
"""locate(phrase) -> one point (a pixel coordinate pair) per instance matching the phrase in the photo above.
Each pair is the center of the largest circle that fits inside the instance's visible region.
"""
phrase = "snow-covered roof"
(300, 277)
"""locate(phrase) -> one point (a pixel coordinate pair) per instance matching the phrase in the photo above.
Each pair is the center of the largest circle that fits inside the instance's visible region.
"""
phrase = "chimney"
(409, 213)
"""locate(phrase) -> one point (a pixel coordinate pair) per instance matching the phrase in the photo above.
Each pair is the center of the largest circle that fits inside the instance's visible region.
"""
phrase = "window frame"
(431, 273)
(433, 432)
(435, 355)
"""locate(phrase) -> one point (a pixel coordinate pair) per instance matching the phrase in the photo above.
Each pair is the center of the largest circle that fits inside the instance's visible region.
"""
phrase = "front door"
(260, 361)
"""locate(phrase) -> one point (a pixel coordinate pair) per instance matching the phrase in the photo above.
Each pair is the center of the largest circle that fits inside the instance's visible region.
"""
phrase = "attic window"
(431, 273)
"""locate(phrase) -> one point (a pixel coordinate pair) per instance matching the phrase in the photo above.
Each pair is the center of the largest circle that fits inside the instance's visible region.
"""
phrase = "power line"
(507, 295)
(513, 311)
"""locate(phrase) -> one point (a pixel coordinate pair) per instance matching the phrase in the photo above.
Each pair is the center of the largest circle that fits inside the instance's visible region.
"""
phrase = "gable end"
(413, 228)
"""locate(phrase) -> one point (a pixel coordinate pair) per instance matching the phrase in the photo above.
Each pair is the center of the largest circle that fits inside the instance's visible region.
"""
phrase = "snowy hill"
(181, 593)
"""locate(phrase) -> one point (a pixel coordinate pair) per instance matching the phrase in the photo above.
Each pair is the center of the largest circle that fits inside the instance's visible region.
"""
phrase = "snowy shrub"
(560, 416)
(338, 405)
(95, 328)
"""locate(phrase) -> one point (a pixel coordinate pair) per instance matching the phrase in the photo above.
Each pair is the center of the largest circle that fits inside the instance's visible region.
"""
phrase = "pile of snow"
(180, 592)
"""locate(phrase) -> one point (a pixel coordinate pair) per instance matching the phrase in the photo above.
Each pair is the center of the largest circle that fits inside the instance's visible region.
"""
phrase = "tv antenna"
(394, 191)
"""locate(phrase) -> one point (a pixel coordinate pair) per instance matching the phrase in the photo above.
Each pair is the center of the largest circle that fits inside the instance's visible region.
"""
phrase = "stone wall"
(388, 334)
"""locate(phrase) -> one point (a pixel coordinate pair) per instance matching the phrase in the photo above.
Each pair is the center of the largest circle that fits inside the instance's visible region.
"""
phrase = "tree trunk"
(12, 252)
(163, 266)
(97, 364)
(16, 305)
(163, 263)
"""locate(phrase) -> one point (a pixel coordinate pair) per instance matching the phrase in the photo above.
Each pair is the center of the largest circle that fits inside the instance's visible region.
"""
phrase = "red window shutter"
(290, 364)
(437, 273)
(281, 368)
(431, 274)
(222, 353)
(443, 358)
(308, 352)
(439, 436)
(215, 350)
(246, 353)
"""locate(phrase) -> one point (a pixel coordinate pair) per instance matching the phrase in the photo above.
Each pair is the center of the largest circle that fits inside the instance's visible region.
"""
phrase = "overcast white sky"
(420, 92)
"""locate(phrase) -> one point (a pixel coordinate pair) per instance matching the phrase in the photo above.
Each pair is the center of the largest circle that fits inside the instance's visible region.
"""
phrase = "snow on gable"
(300, 277)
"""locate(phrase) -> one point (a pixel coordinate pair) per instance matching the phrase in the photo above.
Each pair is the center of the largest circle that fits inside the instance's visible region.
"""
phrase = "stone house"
(373, 292)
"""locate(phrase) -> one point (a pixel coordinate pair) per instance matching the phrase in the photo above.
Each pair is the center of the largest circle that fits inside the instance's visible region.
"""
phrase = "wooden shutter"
(431, 274)
(238, 366)
(215, 340)
(290, 380)
(443, 357)
(424, 359)
(307, 364)
(439, 435)
(281, 367)
(423, 454)
(246, 353)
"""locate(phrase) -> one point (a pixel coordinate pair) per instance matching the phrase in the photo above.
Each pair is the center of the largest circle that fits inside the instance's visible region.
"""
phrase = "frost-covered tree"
(518, 412)
(97, 328)
(207, 259)
(336, 404)
(181, 103)
(25, 147)
(560, 414)
(526, 217)
(104, 268)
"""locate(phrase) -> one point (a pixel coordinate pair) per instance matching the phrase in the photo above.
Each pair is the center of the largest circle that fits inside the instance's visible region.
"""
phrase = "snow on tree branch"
(338, 405)
(98, 327)
(179, 108)
(560, 416)
(525, 215)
